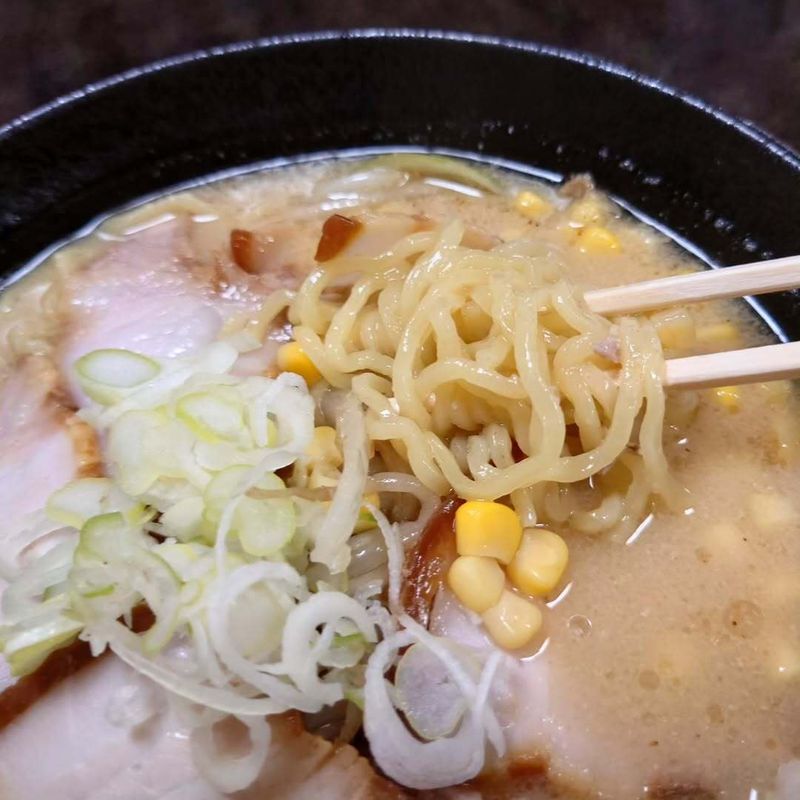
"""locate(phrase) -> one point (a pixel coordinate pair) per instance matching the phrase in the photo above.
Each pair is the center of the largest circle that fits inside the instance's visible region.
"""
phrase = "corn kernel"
(323, 446)
(539, 562)
(476, 581)
(586, 211)
(513, 621)
(719, 333)
(484, 528)
(728, 397)
(531, 205)
(675, 328)
(292, 358)
(597, 239)
(770, 510)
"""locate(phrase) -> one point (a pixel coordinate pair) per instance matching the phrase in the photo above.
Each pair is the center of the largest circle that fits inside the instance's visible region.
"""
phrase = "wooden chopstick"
(710, 284)
(752, 365)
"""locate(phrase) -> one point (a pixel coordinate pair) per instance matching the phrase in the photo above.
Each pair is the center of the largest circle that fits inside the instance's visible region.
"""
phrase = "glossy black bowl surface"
(723, 186)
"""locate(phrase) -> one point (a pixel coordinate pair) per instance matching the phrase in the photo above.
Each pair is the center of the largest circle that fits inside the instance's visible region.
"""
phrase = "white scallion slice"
(84, 498)
(402, 755)
(102, 537)
(256, 621)
(217, 456)
(263, 526)
(426, 693)
(160, 586)
(103, 371)
(212, 415)
(145, 446)
(27, 650)
(345, 651)
(184, 520)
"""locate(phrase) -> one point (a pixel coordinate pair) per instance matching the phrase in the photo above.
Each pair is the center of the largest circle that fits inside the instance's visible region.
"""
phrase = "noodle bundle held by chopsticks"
(485, 374)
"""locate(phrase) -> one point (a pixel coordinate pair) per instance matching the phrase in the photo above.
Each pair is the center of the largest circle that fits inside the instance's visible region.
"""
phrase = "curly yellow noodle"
(483, 373)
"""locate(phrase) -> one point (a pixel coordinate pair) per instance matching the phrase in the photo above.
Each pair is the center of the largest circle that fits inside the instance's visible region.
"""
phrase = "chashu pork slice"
(148, 292)
(73, 745)
(44, 444)
(44, 447)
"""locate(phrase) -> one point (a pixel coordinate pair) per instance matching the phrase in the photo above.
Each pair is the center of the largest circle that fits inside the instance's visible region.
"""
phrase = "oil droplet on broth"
(649, 679)
(579, 626)
(744, 619)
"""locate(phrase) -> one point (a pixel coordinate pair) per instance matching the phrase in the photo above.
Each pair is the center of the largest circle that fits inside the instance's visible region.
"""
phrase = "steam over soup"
(324, 481)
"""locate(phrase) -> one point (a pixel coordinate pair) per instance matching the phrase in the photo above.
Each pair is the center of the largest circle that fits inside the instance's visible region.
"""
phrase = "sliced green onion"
(263, 526)
(84, 498)
(102, 537)
(102, 373)
(212, 415)
(427, 695)
(184, 520)
(345, 651)
(27, 650)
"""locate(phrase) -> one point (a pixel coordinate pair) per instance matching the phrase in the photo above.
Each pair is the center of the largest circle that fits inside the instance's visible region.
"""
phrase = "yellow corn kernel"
(728, 397)
(292, 358)
(539, 562)
(770, 510)
(586, 211)
(597, 239)
(531, 205)
(485, 528)
(476, 581)
(365, 521)
(719, 333)
(323, 446)
(513, 621)
(675, 328)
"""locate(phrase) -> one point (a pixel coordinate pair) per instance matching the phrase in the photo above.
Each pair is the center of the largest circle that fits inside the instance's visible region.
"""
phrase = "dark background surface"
(742, 55)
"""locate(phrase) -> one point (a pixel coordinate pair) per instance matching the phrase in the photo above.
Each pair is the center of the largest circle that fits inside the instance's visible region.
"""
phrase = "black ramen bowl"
(720, 185)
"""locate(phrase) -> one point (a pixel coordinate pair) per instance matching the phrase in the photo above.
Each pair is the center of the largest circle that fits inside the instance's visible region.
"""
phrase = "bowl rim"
(750, 130)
